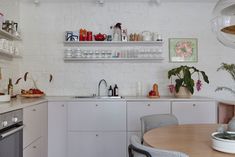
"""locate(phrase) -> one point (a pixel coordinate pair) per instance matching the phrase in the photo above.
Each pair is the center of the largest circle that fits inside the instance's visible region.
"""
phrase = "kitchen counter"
(167, 98)
(20, 102)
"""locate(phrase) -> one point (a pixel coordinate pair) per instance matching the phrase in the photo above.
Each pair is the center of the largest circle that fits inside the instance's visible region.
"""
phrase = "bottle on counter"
(110, 91)
(10, 88)
(115, 90)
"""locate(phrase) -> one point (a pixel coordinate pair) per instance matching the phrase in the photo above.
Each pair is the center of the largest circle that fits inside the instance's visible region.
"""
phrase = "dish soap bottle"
(10, 88)
(110, 92)
(115, 90)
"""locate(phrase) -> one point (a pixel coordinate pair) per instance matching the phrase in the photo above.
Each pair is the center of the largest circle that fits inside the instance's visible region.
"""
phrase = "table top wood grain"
(192, 139)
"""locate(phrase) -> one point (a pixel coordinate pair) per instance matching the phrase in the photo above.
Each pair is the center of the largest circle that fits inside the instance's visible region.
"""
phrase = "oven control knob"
(14, 119)
(4, 123)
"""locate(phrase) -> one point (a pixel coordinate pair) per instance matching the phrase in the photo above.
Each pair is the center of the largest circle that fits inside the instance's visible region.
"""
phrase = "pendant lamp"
(223, 22)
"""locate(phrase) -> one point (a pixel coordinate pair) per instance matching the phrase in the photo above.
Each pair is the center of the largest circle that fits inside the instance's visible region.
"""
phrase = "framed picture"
(183, 50)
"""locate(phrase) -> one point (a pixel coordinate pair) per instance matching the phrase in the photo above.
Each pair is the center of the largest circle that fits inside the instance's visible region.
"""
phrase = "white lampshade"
(223, 22)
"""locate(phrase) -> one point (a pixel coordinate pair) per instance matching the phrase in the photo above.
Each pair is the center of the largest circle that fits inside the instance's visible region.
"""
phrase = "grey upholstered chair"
(155, 121)
(136, 149)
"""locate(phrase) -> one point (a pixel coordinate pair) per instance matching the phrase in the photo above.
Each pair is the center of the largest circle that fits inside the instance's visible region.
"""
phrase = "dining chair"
(149, 122)
(136, 149)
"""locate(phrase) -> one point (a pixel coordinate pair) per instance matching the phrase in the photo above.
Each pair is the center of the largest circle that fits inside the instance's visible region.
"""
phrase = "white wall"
(43, 29)
(10, 67)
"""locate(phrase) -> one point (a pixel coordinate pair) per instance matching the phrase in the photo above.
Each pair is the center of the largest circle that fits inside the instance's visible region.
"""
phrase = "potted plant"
(230, 68)
(184, 83)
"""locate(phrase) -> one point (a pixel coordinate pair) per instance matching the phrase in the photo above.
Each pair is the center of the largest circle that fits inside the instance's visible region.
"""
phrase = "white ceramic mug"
(147, 36)
(157, 37)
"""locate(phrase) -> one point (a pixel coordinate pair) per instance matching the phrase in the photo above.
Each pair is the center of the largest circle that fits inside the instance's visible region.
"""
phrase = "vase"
(183, 93)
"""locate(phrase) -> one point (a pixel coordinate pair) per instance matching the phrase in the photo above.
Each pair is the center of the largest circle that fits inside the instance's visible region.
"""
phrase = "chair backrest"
(155, 121)
(136, 148)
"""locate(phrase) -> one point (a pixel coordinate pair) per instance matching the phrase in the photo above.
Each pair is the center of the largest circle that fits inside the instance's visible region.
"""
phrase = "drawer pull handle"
(96, 105)
(96, 135)
(149, 104)
(34, 109)
(194, 105)
(34, 147)
(62, 105)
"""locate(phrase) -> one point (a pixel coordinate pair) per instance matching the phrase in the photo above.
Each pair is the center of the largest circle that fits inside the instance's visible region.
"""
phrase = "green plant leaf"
(178, 84)
(205, 77)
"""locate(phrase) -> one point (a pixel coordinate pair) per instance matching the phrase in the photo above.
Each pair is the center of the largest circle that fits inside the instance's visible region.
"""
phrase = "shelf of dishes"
(114, 43)
(8, 54)
(113, 55)
(5, 34)
(8, 48)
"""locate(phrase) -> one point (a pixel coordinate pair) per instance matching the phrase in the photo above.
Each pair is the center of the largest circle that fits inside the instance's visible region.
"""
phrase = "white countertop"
(19, 102)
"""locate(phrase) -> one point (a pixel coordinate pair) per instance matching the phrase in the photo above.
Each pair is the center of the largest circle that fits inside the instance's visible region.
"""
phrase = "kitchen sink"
(97, 97)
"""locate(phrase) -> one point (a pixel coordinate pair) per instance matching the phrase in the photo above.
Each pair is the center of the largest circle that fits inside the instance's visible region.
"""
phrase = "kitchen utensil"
(5, 98)
(100, 37)
(71, 36)
(10, 26)
(223, 142)
(109, 37)
(89, 36)
(157, 37)
(32, 95)
(147, 36)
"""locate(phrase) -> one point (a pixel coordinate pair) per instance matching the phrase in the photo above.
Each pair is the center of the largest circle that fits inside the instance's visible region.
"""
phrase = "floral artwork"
(183, 49)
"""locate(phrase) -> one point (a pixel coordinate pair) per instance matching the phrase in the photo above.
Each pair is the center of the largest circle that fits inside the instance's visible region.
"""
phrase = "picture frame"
(183, 49)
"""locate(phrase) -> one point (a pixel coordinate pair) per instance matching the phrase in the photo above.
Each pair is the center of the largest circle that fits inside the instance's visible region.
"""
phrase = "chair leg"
(130, 151)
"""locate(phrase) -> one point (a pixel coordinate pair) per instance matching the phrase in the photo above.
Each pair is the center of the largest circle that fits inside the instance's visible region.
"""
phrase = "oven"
(11, 134)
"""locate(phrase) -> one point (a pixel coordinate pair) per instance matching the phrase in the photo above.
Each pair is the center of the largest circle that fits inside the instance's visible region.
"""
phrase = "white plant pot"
(183, 93)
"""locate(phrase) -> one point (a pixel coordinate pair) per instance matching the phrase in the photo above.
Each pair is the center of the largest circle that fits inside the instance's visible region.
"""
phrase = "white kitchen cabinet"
(33, 124)
(97, 129)
(35, 131)
(193, 112)
(34, 149)
(137, 109)
(97, 144)
(99, 116)
(57, 129)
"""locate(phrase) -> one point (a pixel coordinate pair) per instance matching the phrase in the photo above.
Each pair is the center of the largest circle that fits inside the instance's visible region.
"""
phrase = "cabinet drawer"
(33, 150)
(135, 110)
(195, 112)
(33, 124)
(97, 144)
(99, 116)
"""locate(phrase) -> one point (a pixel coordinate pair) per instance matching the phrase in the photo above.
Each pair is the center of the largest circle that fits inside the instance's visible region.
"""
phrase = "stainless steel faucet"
(103, 80)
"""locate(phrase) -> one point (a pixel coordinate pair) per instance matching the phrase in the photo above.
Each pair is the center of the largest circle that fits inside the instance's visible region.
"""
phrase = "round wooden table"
(192, 139)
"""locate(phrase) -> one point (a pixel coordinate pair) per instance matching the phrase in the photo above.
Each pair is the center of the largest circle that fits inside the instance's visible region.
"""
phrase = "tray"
(222, 143)
(32, 95)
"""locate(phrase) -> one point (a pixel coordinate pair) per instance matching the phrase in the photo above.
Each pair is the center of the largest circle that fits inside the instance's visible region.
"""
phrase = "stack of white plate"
(5, 98)
(221, 142)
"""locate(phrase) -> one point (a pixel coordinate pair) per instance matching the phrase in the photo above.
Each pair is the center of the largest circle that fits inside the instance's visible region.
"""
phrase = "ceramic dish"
(5, 98)
(223, 142)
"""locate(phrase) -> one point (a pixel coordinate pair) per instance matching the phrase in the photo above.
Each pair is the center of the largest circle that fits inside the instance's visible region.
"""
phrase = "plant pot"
(231, 124)
(183, 93)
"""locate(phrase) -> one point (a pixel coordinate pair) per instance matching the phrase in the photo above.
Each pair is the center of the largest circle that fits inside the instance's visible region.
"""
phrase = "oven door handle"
(12, 131)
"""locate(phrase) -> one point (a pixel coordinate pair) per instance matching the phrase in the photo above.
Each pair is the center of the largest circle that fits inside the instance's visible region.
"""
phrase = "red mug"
(89, 36)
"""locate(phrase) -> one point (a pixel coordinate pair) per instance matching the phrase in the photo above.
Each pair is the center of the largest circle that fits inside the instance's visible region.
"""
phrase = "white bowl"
(5, 98)
(223, 145)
